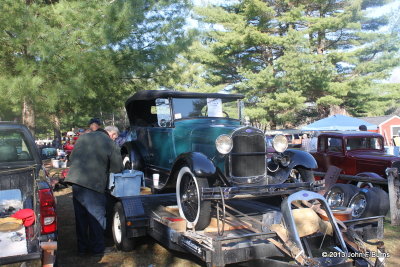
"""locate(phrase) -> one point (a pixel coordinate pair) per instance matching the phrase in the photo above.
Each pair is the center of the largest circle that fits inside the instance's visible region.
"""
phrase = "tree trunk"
(321, 43)
(28, 115)
(57, 129)
(335, 109)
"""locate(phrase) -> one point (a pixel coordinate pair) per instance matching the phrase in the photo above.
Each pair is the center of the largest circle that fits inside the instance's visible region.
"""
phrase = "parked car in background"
(356, 153)
(48, 153)
(293, 136)
(195, 141)
(25, 189)
(294, 140)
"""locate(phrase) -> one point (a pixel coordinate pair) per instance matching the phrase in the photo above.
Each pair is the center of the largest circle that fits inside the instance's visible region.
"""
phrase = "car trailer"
(244, 229)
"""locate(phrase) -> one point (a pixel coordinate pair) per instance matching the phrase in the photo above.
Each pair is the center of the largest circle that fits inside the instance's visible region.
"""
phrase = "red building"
(388, 126)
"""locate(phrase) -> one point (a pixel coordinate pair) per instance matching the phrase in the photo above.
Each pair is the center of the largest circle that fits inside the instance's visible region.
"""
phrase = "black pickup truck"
(24, 186)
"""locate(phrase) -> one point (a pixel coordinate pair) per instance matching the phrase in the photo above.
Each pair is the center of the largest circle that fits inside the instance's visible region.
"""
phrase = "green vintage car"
(199, 145)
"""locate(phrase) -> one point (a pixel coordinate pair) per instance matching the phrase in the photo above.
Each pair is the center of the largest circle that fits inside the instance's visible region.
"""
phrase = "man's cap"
(95, 120)
(362, 127)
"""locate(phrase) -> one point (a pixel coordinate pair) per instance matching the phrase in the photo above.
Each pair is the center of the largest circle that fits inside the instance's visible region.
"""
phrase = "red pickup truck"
(25, 189)
(356, 153)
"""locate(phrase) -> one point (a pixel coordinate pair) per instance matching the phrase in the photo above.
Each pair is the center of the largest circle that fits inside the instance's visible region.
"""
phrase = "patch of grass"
(391, 228)
(391, 239)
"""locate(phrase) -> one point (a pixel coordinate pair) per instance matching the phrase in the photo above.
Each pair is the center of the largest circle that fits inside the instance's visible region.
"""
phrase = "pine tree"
(68, 60)
(297, 58)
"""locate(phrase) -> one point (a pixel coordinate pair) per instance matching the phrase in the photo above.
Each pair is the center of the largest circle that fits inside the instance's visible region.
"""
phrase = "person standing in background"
(94, 124)
(314, 141)
(362, 127)
(95, 155)
(305, 143)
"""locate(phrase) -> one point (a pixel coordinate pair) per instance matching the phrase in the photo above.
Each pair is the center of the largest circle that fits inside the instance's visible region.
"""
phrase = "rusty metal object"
(48, 258)
(340, 214)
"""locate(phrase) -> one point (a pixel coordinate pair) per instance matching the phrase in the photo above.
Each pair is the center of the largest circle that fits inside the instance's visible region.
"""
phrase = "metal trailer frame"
(144, 215)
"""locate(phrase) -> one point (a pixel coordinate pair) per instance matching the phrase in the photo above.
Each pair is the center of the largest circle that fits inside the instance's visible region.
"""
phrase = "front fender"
(300, 158)
(297, 158)
(199, 164)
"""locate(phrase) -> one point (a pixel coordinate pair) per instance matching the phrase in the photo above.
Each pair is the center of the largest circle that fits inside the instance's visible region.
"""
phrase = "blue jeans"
(90, 219)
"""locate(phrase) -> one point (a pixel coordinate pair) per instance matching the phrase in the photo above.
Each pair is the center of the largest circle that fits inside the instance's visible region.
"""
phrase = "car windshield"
(205, 107)
(13, 147)
(356, 143)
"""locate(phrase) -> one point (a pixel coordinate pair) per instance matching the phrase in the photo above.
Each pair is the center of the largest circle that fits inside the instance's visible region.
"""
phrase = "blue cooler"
(125, 184)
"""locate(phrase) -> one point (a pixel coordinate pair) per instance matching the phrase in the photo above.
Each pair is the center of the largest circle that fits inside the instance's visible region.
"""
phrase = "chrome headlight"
(280, 143)
(224, 144)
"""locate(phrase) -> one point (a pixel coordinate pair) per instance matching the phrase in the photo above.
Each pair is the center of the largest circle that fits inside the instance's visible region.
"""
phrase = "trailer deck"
(242, 235)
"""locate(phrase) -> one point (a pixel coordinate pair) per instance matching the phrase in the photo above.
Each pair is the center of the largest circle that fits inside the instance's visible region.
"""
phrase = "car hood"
(373, 155)
(211, 132)
(200, 135)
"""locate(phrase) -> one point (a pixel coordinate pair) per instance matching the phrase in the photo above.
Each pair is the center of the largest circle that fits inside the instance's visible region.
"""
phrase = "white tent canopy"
(338, 123)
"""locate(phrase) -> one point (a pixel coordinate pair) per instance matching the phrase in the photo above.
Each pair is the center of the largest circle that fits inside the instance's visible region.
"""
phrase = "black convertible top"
(153, 94)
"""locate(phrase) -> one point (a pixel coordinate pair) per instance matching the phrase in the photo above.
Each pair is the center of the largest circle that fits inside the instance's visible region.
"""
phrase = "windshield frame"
(238, 103)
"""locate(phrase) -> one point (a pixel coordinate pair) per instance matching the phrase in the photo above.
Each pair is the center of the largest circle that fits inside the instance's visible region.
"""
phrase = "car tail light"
(48, 217)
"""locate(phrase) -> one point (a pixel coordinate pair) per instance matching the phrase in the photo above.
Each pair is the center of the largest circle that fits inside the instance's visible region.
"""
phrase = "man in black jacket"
(95, 155)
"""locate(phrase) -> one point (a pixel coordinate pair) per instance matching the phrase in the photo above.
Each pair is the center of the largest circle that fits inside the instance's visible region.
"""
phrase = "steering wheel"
(226, 114)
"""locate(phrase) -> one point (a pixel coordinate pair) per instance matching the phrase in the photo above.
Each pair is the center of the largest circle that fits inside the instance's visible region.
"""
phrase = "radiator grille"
(248, 165)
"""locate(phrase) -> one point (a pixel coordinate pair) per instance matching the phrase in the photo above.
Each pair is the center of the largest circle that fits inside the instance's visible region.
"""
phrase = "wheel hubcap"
(335, 199)
(359, 204)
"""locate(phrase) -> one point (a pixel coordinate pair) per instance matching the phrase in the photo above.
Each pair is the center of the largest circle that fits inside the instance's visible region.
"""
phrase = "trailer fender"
(198, 163)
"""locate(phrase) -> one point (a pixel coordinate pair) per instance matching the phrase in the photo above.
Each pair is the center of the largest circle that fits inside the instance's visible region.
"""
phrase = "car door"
(160, 136)
(335, 152)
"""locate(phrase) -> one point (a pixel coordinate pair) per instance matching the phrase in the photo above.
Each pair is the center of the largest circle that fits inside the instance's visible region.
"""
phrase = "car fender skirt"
(199, 164)
(301, 158)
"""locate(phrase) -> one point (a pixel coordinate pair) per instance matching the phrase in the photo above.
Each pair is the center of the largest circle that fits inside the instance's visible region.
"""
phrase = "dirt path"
(148, 252)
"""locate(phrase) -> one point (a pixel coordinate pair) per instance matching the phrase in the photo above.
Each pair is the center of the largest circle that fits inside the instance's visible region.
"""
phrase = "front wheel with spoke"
(191, 207)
